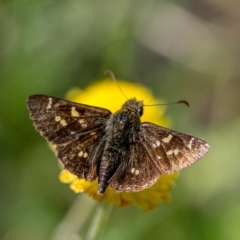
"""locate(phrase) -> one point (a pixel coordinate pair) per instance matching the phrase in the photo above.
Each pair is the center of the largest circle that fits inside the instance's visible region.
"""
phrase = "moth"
(116, 148)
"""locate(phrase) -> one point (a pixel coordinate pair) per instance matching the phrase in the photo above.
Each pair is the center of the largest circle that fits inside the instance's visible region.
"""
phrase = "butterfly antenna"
(179, 102)
(111, 74)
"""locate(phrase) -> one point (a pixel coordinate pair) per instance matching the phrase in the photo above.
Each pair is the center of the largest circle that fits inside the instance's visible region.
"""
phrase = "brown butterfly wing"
(171, 151)
(75, 129)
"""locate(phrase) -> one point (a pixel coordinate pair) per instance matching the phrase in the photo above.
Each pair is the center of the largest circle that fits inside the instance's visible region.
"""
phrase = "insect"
(116, 148)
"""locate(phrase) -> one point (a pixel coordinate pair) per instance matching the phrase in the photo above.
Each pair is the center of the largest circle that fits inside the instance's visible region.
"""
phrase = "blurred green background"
(179, 49)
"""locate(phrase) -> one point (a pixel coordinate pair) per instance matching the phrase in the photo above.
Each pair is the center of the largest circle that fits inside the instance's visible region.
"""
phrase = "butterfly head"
(134, 105)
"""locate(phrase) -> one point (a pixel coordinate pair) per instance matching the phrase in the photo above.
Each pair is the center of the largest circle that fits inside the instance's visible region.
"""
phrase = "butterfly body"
(116, 148)
(122, 131)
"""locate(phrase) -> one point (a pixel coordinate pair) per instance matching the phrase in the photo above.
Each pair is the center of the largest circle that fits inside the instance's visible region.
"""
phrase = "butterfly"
(115, 148)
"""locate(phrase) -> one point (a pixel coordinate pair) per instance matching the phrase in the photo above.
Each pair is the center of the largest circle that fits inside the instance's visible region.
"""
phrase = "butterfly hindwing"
(171, 151)
(81, 157)
(136, 172)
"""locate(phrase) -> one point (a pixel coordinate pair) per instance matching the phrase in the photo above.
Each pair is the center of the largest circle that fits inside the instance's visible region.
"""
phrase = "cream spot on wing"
(74, 113)
(167, 139)
(132, 170)
(81, 121)
(170, 152)
(85, 155)
(158, 157)
(137, 172)
(158, 143)
(190, 143)
(80, 153)
(63, 122)
(49, 106)
(93, 133)
(154, 145)
(58, 118)
(176, 151)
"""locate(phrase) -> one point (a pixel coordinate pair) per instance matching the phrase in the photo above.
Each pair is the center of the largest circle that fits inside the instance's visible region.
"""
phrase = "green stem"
(99, 221)
(74, 219)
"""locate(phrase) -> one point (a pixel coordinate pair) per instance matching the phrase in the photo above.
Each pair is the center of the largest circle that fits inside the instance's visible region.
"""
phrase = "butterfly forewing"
(75, 129)
(136, 172)
(61, 121)
(171, 151)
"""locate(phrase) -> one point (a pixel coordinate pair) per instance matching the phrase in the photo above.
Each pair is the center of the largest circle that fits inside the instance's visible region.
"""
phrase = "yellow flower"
(106, 94)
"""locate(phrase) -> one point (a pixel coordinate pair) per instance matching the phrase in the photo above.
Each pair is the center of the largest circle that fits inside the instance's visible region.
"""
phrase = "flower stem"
(74, 219)
(99, 221)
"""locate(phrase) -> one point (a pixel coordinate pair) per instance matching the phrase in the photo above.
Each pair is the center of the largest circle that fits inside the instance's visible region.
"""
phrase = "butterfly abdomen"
(108, 165)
